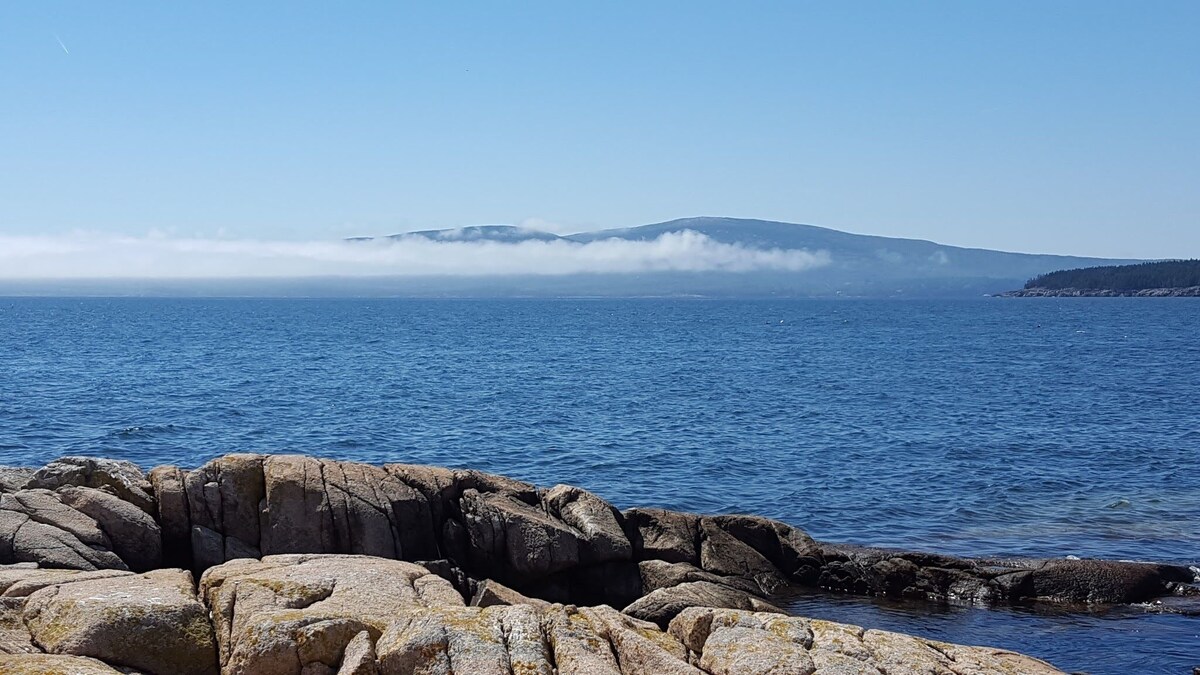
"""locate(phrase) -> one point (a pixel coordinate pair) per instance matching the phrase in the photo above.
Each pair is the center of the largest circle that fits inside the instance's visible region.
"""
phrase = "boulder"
(25, 538)
(722, 553)
(576, 641)
(359, 656)
(13, 478)
(664, 604)
(656, 574)
(638, 645)
(46, 507)
(150, 622)
(121, 478)
(657, 534)
(743, 642)
(788, 548)
(134, 534)
(223, 499)
(1101, 581)
(375, 513)
(603, 540)
(514, 540)
(492, 593)
(289, 612)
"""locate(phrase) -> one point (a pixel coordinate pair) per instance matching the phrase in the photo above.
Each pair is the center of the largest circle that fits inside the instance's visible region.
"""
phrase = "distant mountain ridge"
(859, 264)
(841, 264)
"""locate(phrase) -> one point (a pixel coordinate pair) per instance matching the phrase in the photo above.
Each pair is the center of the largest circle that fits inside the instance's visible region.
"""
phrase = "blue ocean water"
(1014, 427)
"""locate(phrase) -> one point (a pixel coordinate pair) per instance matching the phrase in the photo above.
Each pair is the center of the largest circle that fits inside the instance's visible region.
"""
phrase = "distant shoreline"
(1189, 292)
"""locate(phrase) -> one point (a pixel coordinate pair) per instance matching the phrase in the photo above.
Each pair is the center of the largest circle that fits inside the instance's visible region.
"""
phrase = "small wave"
(150, 430)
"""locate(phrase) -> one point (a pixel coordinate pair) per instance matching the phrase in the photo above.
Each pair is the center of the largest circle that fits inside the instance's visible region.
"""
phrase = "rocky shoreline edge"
(1189, 292)
(310, 566)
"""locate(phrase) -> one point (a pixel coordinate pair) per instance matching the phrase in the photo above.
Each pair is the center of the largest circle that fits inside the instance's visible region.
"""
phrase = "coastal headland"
(312, 566)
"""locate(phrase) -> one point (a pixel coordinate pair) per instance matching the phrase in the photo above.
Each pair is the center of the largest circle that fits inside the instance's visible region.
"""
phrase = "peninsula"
(1166, 278)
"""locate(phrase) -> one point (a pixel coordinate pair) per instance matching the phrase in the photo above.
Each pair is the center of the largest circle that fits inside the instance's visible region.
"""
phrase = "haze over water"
(980, 427)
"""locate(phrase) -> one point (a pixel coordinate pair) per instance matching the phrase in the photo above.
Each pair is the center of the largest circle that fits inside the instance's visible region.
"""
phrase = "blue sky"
(1050, 126)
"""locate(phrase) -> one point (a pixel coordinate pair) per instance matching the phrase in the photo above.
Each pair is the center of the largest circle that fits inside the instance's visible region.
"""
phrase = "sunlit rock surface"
(314, 566)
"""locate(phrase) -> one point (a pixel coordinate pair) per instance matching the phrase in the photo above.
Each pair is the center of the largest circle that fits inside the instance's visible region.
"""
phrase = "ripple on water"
(944, 424)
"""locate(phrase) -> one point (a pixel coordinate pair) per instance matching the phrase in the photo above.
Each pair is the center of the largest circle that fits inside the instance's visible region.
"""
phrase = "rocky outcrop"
(726, 641)
(150, 622)
(302, 614)
(563, 544)
(319, 566)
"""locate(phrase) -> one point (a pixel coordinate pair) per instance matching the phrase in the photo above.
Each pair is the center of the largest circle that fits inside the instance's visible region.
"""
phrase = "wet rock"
(151, 622)
(657, 534)
(438, 485)
(118, 477)
(134, 534)
(1101, 581)
(664, 604)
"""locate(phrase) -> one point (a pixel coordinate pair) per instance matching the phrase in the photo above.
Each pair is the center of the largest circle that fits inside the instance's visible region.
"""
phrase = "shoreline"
(492, 540)
(1189, 292)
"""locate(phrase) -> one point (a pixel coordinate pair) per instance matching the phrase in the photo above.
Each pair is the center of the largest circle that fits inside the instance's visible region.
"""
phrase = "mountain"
(857, 264)
(785, 260)
(864, 256)
(508, 234)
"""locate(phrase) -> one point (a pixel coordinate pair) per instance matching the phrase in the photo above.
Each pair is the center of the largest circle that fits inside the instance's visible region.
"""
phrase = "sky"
(1053, 126)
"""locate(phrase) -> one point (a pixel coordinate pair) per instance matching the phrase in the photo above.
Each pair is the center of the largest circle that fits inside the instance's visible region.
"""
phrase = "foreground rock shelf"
(310, 566)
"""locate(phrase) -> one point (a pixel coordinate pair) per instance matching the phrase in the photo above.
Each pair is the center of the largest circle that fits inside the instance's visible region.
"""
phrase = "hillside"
(859, 265)
(1161, 278)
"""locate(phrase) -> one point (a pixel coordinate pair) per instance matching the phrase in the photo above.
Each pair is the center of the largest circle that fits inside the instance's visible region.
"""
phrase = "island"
(1159, 279)
(297, 565)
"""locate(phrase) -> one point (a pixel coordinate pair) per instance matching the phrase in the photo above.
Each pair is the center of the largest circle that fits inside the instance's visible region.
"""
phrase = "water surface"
(1011, 427)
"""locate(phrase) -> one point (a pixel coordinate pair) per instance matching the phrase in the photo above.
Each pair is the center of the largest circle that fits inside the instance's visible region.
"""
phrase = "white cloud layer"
(83, 256)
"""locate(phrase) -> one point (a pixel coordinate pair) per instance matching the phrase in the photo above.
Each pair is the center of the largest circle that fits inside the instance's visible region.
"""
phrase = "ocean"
(1042, 427)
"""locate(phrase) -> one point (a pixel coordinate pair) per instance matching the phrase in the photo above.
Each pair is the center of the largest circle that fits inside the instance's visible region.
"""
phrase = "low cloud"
(83, 256)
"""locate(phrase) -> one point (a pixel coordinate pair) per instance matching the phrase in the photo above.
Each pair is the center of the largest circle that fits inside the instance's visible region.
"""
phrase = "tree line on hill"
(1162, 274)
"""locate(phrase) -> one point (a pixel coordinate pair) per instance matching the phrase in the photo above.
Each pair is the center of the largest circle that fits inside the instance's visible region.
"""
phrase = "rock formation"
(313, 566)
